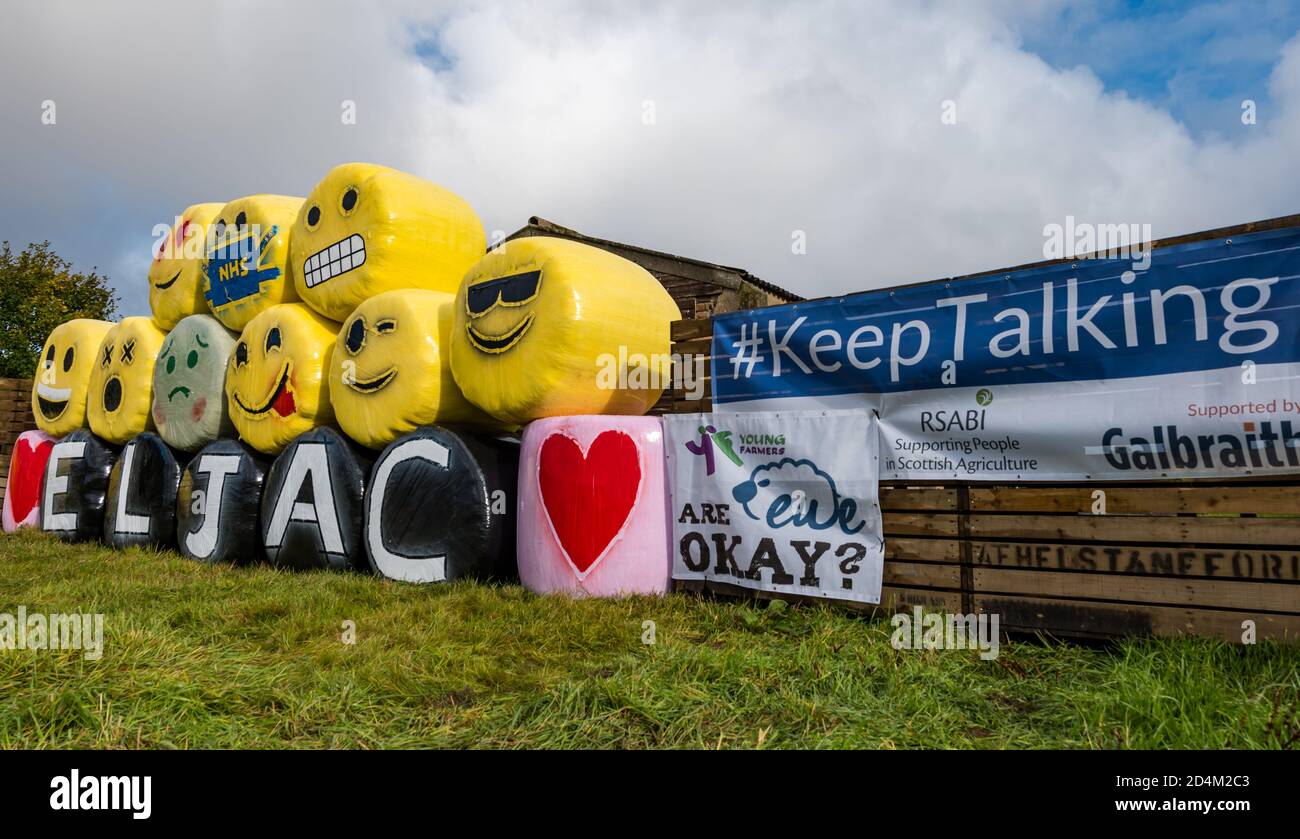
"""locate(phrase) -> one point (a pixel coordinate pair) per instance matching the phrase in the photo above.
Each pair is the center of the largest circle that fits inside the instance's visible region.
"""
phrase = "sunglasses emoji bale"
(549, 327)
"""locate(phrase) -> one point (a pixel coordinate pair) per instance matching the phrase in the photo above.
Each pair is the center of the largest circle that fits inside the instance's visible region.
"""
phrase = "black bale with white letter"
(141, 505)
(218, 507)
(75, 487)
(312, 505)
(441, 506)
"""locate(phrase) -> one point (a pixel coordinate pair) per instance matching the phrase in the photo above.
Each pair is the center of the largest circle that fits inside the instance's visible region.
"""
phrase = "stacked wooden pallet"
(15, 418)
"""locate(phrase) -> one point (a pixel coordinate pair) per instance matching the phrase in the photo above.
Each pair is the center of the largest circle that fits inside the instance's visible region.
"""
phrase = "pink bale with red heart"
(593, 507)
(22, 506)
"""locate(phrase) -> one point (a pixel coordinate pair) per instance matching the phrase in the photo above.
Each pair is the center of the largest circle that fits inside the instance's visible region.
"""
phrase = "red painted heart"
(588, 498)
(26, 468)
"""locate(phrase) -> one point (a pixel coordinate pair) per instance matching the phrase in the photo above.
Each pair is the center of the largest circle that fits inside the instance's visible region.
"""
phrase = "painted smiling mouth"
(280, 400)
(182, 389)
(498, 343)
(52, 401)
(168, 284)
(339, 258)
(371, 385)
(51, 410)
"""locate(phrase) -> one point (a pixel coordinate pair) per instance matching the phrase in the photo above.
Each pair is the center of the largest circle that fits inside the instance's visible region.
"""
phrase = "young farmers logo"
(709, 438)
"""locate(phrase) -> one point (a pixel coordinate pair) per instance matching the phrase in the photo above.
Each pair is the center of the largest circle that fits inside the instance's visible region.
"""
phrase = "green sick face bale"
(189, 378)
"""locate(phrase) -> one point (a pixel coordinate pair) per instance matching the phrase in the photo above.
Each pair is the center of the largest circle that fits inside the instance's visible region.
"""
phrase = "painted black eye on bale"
(241, 219)
(68, 358)
(49, 356)
(356, 336)
(273, 338)
(313, 216)
(128, 351)
(385, 326)
(349, 199)
(108, 356)
(241, 354)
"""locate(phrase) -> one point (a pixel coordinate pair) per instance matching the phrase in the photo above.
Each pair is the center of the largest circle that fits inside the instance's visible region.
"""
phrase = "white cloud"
(769, 118)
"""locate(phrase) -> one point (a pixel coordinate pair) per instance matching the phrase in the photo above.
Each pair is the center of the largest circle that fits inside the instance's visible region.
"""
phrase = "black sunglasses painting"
(515, 290)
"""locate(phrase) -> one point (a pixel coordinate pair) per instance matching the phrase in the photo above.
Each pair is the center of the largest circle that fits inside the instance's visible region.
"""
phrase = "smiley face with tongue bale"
(121, 383)
(63, 375)
(189, 396)
(276, 382)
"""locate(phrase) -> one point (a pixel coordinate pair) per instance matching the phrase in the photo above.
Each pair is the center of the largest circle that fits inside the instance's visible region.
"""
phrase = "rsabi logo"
(710, 437)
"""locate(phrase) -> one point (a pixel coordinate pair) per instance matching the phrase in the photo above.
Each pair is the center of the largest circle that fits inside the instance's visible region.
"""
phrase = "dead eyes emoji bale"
(121, 382)
(390, 373)
(548, 327)
(175, 282)
(247, 269)
(59, 394)
(276, 383)
(367, 229)
(189, 378)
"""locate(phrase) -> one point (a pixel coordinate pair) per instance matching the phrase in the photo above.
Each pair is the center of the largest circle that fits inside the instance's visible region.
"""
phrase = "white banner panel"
(784, 501)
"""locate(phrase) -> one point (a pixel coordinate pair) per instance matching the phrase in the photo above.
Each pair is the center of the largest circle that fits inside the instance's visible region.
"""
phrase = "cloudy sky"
(714, 130)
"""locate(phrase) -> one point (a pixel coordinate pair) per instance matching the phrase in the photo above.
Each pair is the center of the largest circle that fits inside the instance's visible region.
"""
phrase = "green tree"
(38, 291)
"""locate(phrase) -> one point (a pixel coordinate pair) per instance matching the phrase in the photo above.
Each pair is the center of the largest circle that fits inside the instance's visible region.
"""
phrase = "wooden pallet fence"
(1207, 558)
(15, 418)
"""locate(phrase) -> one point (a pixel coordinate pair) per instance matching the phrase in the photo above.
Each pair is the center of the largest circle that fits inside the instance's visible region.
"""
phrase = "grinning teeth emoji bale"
(390, 373)
(63, 375)
(247, 270)
(189, 384)
(121, 384)
(548, 327)
(366, 229)
(276, 382)
(175, 277)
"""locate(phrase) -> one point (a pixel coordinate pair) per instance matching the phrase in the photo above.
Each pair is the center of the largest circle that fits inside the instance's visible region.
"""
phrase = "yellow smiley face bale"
(121, 382)
(391, 373)
(548, 327)
(63, 375)
(366, 229)
(276, 383)
(175, 281)
(248, 269)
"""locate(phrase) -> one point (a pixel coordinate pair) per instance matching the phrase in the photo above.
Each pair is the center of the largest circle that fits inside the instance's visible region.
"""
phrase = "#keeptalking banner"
(1091, 370)
(784, 502)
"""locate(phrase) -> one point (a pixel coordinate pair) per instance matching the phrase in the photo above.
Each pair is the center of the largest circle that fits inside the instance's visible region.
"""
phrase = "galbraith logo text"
(110, 792)
(1168, 449)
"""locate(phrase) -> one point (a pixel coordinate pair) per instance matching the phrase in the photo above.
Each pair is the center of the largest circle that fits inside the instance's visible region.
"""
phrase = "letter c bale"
(441, 506)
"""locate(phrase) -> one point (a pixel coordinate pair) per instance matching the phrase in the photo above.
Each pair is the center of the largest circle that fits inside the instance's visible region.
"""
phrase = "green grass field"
(198, 656)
